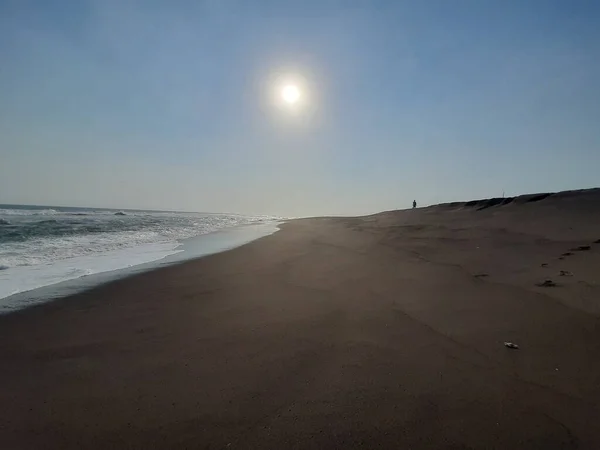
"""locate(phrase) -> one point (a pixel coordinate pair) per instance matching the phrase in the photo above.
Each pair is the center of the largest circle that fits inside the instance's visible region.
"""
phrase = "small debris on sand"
(547, 283)
(565, 273)
(511, 345)
(544, 265)
(581, 248)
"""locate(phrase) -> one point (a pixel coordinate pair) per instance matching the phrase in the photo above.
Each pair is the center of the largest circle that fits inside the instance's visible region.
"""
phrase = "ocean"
(43, 246)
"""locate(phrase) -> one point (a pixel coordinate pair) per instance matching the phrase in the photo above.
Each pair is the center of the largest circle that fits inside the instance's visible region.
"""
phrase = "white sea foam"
(25, 278)
(36, 251)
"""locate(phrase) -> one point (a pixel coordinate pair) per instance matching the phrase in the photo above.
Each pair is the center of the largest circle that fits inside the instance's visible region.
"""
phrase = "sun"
(290, 94)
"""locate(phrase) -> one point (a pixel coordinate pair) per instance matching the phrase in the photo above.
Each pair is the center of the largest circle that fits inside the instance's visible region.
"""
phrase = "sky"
(170, 104)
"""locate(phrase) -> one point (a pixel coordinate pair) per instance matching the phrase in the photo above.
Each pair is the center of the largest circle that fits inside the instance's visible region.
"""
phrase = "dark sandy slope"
(377, 332)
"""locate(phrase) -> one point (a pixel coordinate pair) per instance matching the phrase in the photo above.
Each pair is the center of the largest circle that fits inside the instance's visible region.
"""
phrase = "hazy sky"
(168, 104)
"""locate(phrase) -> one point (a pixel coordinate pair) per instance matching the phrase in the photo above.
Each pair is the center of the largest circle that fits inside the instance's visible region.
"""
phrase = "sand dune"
(384, 331)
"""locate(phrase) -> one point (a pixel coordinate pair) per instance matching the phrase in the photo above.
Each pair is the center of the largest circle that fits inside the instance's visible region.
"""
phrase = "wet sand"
(384, 331)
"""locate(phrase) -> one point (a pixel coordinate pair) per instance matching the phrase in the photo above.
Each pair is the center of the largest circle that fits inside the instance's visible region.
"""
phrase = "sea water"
(42, 246)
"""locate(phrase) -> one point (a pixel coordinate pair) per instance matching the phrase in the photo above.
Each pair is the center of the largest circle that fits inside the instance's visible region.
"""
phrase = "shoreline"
(188, 249)
(384, 331)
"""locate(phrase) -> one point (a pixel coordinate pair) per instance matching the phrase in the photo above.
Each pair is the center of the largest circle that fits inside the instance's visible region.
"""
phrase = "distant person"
(414, 203)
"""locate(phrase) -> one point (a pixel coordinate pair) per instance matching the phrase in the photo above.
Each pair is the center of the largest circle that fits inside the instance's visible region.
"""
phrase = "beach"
(385, 331)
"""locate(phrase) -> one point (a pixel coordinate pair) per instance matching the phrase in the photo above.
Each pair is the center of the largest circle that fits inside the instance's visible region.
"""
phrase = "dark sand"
(378, 332)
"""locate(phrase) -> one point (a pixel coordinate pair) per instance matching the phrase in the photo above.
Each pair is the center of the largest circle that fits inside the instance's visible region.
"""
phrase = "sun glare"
(290, 94)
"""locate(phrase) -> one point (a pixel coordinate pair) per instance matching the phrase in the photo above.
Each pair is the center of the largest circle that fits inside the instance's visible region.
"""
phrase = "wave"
(4, 222)
(47, 212)
(37, 251)
(30, 241)
(28, 212)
